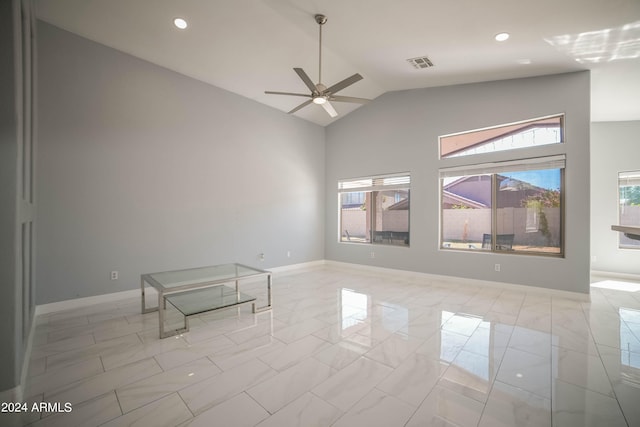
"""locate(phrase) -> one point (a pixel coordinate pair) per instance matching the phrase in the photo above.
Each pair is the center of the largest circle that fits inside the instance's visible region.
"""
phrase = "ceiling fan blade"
(305, 78)
(269, 92)
(304, 104)
(329, 109)
(350, 99)
(344, 83)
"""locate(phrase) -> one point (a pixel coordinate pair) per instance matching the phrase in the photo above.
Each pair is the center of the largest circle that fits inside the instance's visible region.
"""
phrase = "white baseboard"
(614, 275)
(303, 265)
(461, 280)
(86, 301)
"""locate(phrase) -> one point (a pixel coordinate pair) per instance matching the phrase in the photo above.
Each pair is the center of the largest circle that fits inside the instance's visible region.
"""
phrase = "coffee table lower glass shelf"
(200, 301)
(199, 290)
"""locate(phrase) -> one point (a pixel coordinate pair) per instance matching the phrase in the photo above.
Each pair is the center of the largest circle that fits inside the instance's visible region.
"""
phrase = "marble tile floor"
(345, 347)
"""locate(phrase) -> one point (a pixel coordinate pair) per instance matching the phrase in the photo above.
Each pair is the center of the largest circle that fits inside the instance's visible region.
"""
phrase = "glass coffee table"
(199, 290)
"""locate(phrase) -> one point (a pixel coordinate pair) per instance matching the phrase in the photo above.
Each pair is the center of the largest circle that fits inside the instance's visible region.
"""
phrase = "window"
(513, 206)
(375, 209)
(629, 202)
(531, 133)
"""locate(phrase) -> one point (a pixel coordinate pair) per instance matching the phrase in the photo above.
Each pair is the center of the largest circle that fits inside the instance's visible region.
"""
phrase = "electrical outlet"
(373, 254)
(261, 257)
(288, 254)
(114, 275)
(497, 267)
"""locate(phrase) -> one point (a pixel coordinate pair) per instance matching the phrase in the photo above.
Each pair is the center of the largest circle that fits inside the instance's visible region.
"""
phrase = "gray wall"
(142, 169)
(399, 132)
(615, 147)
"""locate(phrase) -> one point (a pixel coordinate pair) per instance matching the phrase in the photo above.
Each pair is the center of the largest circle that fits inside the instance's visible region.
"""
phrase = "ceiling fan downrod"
(321, 20)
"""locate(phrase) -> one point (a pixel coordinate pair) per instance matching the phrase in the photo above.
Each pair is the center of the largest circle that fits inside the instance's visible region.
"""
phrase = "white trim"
(462, 280)
(615, 275)
(83, 302)
(303, 265)
(519, 122)
(534, 163)
(399, 180)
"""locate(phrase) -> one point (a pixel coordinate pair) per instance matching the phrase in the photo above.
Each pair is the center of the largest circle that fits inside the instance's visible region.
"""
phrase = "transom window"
(629, 205)
(375, 209)
(531, 133)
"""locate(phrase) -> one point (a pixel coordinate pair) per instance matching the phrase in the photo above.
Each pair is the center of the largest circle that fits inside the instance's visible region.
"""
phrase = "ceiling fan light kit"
(320, 94)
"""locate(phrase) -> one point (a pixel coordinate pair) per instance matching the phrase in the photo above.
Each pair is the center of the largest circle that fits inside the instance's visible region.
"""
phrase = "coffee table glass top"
(169, 280)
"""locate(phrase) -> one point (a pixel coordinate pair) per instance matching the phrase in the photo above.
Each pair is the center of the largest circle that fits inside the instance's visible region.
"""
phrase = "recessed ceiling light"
(180, 23)
(524, 61)
(502, 37)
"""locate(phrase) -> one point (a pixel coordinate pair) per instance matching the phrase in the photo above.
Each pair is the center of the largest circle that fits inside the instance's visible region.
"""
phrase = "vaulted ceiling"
(249, 46)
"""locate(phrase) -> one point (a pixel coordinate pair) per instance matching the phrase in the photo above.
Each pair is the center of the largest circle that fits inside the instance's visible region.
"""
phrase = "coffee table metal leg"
(161, 308)
(144, 299)
(268, 306)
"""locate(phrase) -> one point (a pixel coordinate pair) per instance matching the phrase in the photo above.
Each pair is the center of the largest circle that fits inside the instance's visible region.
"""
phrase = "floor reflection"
(354, 308)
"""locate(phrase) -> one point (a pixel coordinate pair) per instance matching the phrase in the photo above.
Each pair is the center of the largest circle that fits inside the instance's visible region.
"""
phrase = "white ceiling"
(249, 46)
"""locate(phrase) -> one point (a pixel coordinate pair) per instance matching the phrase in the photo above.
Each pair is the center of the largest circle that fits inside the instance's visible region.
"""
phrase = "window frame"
(621, 245)
(494, 208)
(507, 160)
(375, 184)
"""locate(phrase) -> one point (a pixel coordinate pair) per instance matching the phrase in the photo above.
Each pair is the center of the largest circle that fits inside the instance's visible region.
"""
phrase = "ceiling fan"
(320, 94)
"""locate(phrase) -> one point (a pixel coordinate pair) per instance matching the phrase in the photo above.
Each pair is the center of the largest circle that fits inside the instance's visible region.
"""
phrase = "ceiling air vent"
(421, 62)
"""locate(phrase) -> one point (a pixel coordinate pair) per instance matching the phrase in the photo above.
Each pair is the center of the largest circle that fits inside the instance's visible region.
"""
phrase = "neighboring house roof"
(510, 184)
(514, 184)
(402, 205)
(451, 196)
(455, 199)
(457, 181)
